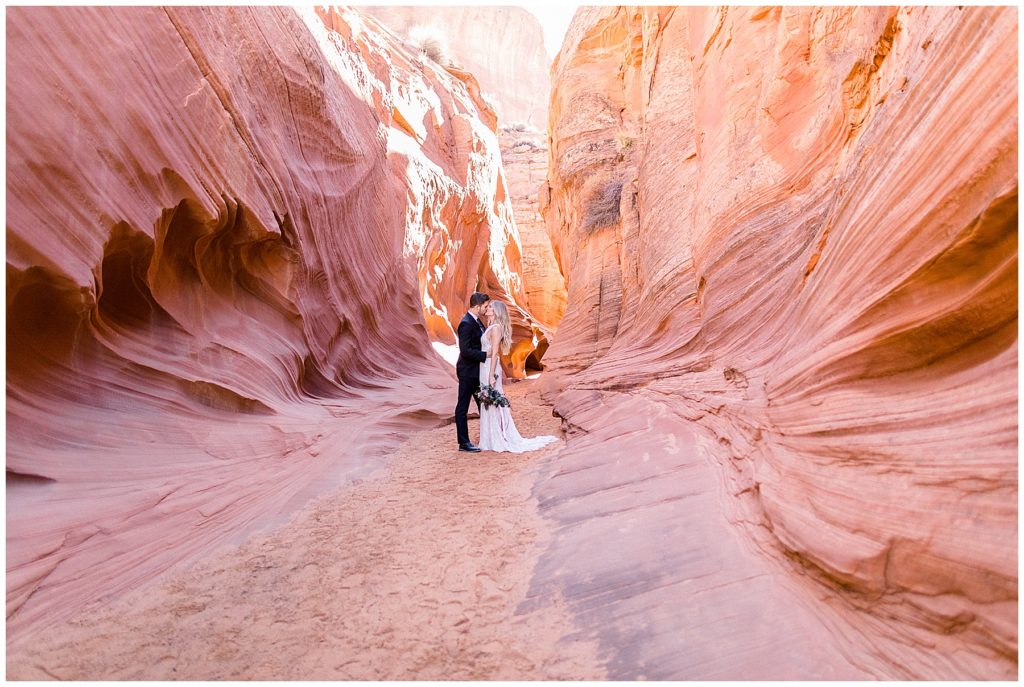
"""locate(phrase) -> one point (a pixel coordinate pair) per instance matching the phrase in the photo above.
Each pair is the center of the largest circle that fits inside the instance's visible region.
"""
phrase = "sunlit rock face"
(524, 154)
(502, 47)
(789, 356)
(232, 236)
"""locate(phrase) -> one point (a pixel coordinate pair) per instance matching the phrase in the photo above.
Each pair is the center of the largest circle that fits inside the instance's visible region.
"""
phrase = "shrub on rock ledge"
(603, 208)
(430, 41)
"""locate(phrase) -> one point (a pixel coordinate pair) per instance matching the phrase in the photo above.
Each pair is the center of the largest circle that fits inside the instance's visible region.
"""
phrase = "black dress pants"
(467, 386)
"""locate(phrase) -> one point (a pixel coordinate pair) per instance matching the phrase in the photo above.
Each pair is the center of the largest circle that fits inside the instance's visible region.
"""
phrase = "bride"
(497, 430)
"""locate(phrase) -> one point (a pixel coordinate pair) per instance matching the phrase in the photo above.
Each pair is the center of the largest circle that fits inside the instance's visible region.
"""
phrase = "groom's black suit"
(468, 370)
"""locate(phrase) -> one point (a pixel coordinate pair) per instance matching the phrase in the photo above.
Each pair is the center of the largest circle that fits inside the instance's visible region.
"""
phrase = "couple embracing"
(485, 331)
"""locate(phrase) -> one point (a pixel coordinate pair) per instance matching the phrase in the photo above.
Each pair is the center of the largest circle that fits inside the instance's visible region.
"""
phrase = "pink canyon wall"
(789, 359)
(232, 235)
(503, 47)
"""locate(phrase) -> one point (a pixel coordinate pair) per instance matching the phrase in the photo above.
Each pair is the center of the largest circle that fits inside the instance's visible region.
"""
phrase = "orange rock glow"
(790, 350)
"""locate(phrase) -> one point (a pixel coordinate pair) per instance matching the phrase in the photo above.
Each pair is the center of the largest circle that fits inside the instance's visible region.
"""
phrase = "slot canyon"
(761, 269)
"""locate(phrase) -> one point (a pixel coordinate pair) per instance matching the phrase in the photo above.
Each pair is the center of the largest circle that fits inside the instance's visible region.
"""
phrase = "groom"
(468, 366)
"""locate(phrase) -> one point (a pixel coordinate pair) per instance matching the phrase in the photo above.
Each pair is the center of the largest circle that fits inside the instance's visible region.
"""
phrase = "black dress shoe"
(470, 448)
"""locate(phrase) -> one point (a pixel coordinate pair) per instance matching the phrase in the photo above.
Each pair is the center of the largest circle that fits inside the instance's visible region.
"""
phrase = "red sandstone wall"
(231, 236)
(524, 155)
(789, 238)
(503, 48)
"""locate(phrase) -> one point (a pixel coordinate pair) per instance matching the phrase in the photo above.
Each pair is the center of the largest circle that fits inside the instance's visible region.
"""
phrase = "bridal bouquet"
(489, 396)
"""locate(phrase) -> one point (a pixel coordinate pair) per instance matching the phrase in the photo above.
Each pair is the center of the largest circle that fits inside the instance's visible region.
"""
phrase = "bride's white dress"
(497, 431)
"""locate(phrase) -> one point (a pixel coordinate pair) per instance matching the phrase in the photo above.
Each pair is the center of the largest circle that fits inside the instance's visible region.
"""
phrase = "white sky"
(554, 18)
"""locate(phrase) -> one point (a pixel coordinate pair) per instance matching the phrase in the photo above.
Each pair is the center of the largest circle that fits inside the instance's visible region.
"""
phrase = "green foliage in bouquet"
(489, 396)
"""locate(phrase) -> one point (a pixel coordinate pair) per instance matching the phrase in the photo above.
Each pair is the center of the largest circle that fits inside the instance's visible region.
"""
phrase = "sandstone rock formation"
(789, 357)
(503, 47)
(524, 155)
(232, 235)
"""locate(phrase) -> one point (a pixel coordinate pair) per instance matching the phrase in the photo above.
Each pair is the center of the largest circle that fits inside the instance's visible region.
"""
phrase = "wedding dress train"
(497, 430)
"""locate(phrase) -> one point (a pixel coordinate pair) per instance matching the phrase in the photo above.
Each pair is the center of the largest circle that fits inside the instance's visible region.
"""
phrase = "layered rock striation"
(789, 357)
(524, 155)
(232, 236)
(503, 47)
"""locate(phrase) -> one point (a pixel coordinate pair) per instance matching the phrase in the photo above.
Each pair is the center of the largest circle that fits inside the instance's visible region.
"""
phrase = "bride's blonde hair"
(502, 318)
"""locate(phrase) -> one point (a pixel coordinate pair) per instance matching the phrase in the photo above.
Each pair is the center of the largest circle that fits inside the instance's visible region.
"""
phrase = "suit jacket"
(470, 354)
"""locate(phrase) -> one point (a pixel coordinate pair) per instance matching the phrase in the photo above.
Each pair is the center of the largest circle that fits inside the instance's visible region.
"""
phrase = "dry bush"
(522, 128)
(526, 147)
(430, 41)
(603, 208)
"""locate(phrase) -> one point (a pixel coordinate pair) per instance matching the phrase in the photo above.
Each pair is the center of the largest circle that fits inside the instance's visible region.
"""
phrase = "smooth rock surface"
(233, 235)
(790, 348)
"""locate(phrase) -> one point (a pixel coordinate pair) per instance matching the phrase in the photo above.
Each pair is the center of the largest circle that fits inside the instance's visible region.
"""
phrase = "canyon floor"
(413, 573)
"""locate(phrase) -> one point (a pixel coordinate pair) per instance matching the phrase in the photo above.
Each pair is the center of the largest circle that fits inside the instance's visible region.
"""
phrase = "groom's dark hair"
(478, 298)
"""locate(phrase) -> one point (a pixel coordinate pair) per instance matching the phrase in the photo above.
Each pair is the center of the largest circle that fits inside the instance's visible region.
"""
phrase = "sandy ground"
(412, 574)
